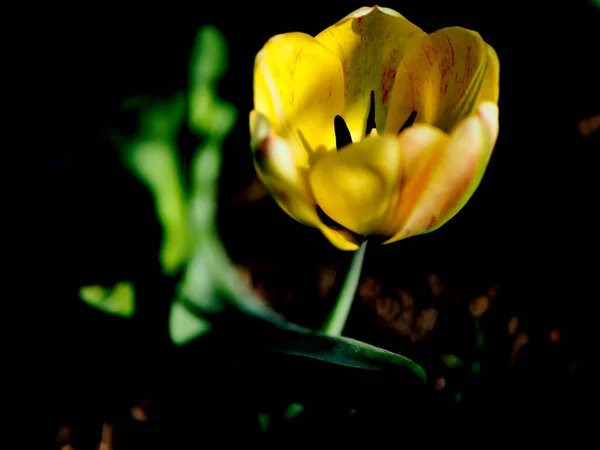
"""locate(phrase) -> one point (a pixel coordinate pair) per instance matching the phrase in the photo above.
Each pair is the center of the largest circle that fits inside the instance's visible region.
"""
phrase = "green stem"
(334, 324)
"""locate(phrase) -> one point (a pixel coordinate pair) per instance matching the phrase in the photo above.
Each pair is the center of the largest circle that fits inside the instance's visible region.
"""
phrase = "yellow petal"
(276, 165)
(370, 43)
(298, 208)
(490, 87)
(440, 172)
(440, 77)
(355, 186)
(298, 87)
(488, 113)
(342, 239)
(287, 182)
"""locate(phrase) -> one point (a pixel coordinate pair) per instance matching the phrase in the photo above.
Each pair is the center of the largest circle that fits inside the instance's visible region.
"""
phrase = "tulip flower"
(374, 127)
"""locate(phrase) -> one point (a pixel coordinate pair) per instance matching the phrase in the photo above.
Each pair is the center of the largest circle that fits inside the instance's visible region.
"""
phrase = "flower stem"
(334, 324)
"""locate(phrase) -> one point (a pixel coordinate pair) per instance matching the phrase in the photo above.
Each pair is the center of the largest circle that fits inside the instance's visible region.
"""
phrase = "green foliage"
(153, 158)
(184, 326)
(209, 115)
(293, 411)
(119, 300)
(264, 420)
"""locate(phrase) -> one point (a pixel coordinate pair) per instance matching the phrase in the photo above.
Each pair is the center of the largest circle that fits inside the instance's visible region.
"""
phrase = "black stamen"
(409, 122)
(328, 220)
(371, 117)
(342, 133)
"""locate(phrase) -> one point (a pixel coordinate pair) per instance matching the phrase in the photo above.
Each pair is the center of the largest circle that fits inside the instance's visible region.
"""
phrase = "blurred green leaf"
(452, 361)
(119, 300)
(198, 284)
(153, 158)
(184, 326)
(208, 113)
(476, 367)
(292, 411)
(264, 420)
(209, 55)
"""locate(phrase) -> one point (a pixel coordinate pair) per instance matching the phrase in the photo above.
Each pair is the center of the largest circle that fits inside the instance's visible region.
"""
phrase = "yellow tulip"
(374, 127)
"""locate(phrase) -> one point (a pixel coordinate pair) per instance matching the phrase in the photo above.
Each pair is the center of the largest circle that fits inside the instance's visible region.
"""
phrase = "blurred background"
(496, 305)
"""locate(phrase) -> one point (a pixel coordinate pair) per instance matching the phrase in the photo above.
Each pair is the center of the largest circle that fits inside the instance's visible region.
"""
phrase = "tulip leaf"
(209, 114)
(153, 158)
(119, 301)
(184, 326)
(252, 329)
(341, 351)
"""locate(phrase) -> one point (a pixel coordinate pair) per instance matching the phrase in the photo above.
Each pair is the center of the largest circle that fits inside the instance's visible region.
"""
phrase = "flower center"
(343, 139)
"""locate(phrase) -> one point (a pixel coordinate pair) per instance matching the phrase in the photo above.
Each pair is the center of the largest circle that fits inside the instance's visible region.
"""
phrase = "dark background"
(529, 230)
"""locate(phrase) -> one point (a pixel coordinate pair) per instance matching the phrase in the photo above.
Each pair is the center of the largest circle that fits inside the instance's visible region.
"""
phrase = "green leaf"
(198, 284)
(208, 113)
(184, 326)
(119, 300)
(342, 351)
(264, 420)
(154, 159)
(292, 411)
(209, 54)
(272, 334)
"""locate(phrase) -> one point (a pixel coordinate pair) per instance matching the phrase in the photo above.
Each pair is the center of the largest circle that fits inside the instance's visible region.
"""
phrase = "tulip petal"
(440, 172)
(490, 87)
(287, 182)
(275, 161)
(299, 87)
(299, 209)
(370, 43)
(355, 187)
(441, 77)
(342, 239)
